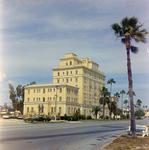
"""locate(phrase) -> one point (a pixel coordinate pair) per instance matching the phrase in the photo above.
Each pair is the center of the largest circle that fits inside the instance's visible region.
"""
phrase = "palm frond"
(133, 21)
(123, 40)
(117, 29)
(140, 36)
(134, 49)
(124, 22)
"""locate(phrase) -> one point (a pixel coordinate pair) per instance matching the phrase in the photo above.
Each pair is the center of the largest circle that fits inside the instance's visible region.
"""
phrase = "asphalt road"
(17, 135)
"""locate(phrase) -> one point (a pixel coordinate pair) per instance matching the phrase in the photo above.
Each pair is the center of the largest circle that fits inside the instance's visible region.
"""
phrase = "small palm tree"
(126, 102)
(112, 106)
(139, 104)
(117, 95)
(103, 100)
(122, 92)
(110, 82)
(96, 109)
(129, 30)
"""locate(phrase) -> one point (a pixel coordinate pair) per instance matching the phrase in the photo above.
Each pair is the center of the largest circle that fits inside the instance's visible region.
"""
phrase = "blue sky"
(36, 34)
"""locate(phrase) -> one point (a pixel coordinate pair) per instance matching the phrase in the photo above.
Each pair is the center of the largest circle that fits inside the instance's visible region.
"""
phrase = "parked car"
(5, 116)
(20, 117)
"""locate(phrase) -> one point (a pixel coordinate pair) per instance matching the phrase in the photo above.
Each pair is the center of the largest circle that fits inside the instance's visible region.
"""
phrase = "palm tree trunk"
(110, 100)
(122, 106)
(126, 110)
(133, 125)
(103, 107)
(116, 108)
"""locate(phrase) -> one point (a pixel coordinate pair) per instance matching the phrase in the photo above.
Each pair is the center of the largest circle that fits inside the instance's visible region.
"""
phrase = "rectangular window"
(76, 80)
(27, 109)
(43, 90)
(85, 112)
(60, 90)
(28, 99)
(28, 91)
(90, 112)
(43, 99)
(60, 110)
(51, 109)
(32, 109)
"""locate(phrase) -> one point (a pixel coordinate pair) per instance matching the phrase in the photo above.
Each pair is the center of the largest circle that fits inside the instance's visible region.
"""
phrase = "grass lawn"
(126, 143)
(42, 122)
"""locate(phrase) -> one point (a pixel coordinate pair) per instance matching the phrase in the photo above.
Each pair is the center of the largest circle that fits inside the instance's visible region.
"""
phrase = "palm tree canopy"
(122, 92)
(117, 94)
(126, 101)
(134, 94)
(106, 100)
(130, 29)
(139, 102)
(113, 107)
(111, 81)
(96, 109)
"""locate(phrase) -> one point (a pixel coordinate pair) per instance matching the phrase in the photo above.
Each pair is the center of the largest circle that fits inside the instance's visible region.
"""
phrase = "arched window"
(60, 90)
(67, 73)
(70, 62)
(58, 81)
(76, 72)
(60, 109)
(51, 109)
(28, 99)
(60, 99)
(76, 80)
(54, 98)
(69, 110)
(67, 80)
(58, 74)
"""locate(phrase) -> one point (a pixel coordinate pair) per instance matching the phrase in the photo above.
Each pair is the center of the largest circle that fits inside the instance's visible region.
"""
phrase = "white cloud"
(11, 82)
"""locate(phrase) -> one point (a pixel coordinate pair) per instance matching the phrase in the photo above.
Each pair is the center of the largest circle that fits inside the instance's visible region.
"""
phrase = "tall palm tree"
(125, 102)
(96, 109)
(122, 92)
(129, 30)
(139, 104)
(103, 100)
(117, 97)
(110, 82)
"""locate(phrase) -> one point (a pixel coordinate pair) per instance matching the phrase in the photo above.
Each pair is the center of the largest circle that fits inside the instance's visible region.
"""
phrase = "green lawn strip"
(38, 122)
(125, 143)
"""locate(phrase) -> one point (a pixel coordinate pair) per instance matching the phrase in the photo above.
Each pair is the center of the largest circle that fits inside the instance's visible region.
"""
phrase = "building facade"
(76, 84)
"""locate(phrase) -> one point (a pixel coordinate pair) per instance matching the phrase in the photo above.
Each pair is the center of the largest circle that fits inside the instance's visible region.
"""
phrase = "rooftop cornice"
(78, 66)
(50, 85)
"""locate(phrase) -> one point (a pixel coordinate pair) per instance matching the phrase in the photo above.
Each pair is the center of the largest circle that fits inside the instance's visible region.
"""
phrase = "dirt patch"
(129, 143)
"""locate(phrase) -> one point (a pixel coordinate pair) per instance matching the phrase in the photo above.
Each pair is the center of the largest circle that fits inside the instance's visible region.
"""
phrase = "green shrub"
(89, 117)
(107, 117)
(82, 117)
(25, 120)
(101, 117)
